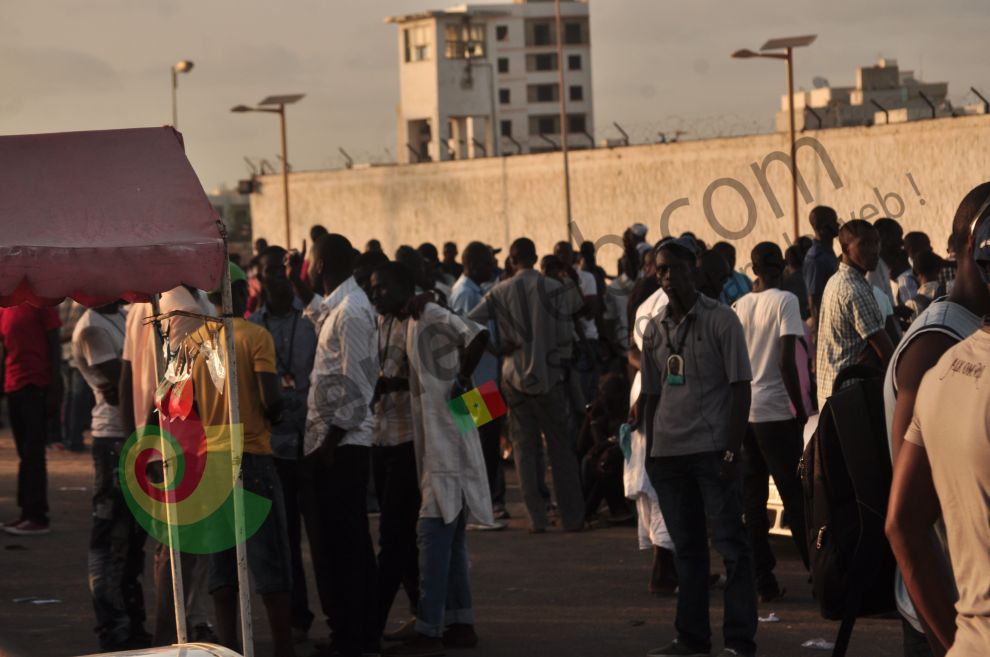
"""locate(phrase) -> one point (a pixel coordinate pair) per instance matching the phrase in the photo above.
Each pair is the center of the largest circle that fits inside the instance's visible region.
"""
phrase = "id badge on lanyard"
(675, 370)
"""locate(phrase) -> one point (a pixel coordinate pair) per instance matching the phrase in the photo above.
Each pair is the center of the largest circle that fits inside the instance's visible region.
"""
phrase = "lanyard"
(286, 367)
(674, 348)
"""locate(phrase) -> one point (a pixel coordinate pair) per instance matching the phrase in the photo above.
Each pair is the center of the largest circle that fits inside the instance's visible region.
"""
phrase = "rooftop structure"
(883, 94)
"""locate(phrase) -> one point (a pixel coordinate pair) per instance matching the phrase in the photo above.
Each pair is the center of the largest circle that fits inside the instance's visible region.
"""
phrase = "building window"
(542, 35)
(576, 123)
(577, 93)
(574, 62)
(542, 93)
(504, 96)
(506, 128)
(573, 33)
(544, 62)
(503, 64)
(464, 40)
(417, 43)
(501, 32)
(544, 125)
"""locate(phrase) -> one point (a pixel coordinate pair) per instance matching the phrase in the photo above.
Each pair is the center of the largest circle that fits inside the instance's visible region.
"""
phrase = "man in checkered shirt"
(851, 329)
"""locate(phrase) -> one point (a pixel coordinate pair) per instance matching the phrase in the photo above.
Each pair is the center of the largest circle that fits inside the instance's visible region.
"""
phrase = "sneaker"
(12, 523)
(678, 649)
(501, 513)
(203, 633)
(28, 528)
(421, 646)
(771, 594)
(460, 635)
(404, 632)
(482, 527)
(140, 637)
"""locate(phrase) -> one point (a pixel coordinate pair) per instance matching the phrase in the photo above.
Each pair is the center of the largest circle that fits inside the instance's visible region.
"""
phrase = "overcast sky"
(657, 65)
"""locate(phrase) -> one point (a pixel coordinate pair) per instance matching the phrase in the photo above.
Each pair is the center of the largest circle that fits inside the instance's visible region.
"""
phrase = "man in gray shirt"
(533, 329)
(695, 405)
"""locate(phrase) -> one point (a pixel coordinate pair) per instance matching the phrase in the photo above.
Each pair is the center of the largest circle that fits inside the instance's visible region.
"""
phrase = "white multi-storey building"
(483, 80)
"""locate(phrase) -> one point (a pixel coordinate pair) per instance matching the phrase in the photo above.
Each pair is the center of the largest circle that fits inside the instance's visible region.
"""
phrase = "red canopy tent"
(104, 215)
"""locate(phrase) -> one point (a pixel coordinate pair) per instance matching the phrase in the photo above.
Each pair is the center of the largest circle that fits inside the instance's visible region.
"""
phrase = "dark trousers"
(397, 487)
(772, 449)
(915, 643)
(694, 497)
(600, 486)
(529, 417)
(77, 409)
(336, 514)
(29, 424)
(289, 475)
(491, 438)
(116, 551)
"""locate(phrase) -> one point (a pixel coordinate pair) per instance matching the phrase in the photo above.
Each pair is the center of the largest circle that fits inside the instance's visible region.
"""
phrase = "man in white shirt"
(338, 437)
(443, 350)
(771, 320)
(116, 546)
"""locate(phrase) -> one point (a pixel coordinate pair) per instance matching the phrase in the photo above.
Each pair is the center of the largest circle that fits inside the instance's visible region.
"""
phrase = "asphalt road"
(573, 595)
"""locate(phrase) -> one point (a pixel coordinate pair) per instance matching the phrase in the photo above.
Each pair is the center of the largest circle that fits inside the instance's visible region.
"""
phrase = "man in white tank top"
(941, 326)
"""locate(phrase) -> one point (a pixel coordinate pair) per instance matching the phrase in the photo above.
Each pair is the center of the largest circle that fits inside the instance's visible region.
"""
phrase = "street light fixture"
(787, 44)
(183, 66)
(276, 105)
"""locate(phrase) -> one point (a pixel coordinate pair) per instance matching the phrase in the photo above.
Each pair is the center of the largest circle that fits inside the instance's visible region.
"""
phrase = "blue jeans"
(268, 548)
(444, 585)
(116, 552)
(694, 497)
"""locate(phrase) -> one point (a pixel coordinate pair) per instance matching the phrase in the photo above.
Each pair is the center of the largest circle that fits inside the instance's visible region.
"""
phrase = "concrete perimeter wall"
(736, 189)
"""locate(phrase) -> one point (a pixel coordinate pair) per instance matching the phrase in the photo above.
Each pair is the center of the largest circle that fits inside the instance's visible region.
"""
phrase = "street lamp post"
(787, 44)
(183, 66)
(276, 105)
(564, 127)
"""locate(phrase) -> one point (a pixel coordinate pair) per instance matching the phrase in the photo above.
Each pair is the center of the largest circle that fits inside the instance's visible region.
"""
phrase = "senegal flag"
(477, 407)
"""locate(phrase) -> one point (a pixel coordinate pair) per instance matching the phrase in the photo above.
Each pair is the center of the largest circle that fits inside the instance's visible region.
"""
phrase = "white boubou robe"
(652, 528)
(451, 464)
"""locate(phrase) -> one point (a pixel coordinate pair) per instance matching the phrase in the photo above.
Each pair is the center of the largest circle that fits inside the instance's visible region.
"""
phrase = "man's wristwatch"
(729, 456)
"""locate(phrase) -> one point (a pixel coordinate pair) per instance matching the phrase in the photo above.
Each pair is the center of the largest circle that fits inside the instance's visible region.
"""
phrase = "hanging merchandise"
(180, 402)
(214, 361)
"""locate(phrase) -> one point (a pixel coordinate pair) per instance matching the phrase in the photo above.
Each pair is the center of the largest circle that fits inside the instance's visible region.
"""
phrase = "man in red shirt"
(32, 357)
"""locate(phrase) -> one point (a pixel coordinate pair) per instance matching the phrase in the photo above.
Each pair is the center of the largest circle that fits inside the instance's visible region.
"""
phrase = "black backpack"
(846, 474)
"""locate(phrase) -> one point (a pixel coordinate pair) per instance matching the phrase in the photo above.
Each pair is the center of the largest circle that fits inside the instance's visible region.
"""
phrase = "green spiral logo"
(192, 497)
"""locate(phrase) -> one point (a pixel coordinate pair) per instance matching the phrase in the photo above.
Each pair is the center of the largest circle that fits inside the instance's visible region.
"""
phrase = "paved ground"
(579, 595)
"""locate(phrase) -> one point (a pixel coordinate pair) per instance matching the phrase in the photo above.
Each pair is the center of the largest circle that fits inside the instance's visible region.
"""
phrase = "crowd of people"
(666, 396)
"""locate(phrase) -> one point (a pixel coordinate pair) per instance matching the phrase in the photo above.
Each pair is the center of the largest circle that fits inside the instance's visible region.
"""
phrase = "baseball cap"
(236, 274)
(686, 242)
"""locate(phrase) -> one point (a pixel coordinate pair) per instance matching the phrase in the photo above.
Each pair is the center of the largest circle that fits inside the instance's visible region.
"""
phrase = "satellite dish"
(819, 82)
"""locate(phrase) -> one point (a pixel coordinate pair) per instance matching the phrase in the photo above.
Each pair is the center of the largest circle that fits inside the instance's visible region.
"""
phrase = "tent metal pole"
(175, 560)
(236, 450)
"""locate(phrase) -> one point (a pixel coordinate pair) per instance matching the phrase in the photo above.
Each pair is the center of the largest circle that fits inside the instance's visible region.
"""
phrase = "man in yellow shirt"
(260, 404)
